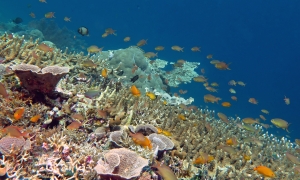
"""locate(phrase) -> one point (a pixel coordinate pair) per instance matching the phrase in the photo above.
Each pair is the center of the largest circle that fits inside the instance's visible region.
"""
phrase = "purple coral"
(35, 79)
(161, 142)
(7, 144)
(120, 164)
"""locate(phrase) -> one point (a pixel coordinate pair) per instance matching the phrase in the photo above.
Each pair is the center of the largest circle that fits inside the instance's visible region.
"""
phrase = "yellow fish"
(280, 123)
(151, 95)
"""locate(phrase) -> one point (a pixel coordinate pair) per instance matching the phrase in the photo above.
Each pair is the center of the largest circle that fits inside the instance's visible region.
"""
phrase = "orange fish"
(226, 104)
(142, 42)
(94, 49)
(223, 117)
(159, 48)
(104, 35)
(34, 55)
(203, 159)
(210, 56)
(286, 100)
(232, 141)
(232, 83)
(32, 15)
(164, 171)
(167, 133)
(110, 31)
(19, 113)
(208, 127)
(89, 63)
(104, 73)
(211, 89)
(49, 15)
(135, 91)
(126, 39)
(246, 157)
(183, 91)
(67, 19)
(177, 48)
(203, 71)
(74, 125)
(134, 68)
(35, 118)
(222, 66)
(44, 47)
(77, 116)
(14, 131)
(262, 117)
(253, 101)
(159, 130)
(195, 49)
(265, 125)
(211, 98)
(150, 55)
(200, 79)
(265, 171)
(181, 116)
(234, 98)
(140, 139)
(3, 91)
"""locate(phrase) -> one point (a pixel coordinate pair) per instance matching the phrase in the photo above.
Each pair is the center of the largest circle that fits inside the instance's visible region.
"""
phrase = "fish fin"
(25, 134)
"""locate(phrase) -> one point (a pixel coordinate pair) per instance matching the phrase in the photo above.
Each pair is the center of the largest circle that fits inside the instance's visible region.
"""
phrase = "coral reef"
(98, 129)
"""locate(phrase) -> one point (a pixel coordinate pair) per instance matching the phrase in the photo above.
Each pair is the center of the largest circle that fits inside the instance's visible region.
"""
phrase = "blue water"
(260, 38)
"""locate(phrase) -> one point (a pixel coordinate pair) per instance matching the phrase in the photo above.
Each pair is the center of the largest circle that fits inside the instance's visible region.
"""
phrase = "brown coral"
(35, 79)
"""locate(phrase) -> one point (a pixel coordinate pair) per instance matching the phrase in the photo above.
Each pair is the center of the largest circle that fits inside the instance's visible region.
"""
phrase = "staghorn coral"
(189, 137)
(120, 164)
(42, 80)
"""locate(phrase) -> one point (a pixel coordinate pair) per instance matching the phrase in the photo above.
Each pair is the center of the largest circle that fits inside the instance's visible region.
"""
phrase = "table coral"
(120, 163)
(42, 80)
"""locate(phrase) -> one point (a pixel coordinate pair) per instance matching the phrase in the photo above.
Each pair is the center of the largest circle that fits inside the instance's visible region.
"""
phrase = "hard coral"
(161, 141)
(120, 164)
(9, 144)
(35, 79)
